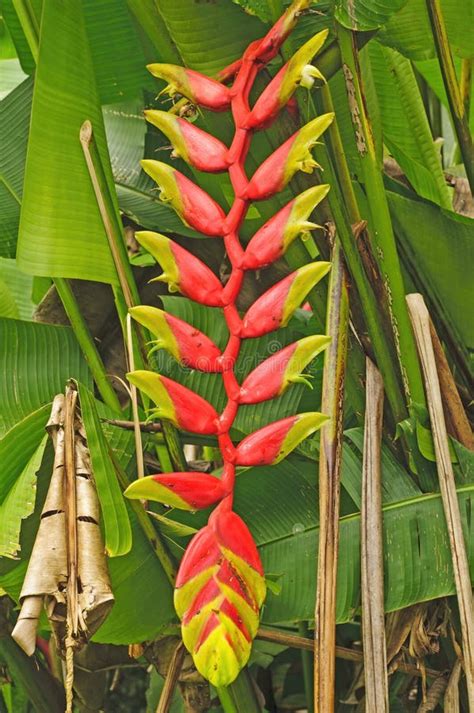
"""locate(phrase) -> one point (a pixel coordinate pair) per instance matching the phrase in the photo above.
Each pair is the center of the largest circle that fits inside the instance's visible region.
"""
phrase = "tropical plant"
(223, 416)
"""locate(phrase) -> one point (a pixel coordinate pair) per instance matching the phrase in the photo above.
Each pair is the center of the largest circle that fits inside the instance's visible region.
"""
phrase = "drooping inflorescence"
(220, 585)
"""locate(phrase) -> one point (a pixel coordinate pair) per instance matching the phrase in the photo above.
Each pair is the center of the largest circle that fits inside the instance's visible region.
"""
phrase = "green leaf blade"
(118, 535)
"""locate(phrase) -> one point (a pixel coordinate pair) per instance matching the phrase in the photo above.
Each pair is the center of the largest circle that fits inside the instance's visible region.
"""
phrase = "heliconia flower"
(273, 376)
(194, 86)
(186, 491)
(175, 402)
(275, 307)
(269, 445)
(183, 271)
(193, 145)
(220, 589)
(272, 240)
(292, 156)
(296, 72)
(184, 342)
(193, 205)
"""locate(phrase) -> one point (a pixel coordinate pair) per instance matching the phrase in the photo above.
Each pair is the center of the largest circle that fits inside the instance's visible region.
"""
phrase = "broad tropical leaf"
(42, 357)
(14, 124)
(19, 504)
(61, 232)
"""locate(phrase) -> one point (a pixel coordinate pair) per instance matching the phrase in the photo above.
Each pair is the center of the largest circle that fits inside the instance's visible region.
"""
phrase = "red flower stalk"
(220, 586)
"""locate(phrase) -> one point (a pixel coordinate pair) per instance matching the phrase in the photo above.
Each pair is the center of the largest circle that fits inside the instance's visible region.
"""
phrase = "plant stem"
(226, 700)
(340, 195)
(307, 664)
(372, 585)
(171, 681)
(86, 342)
(421, 327)
(380, 225)
(29, 25)
(332, 404)
(453, 92)
(240, 696)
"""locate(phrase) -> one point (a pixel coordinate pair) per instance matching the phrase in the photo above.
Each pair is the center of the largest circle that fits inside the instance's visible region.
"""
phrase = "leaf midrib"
(423, 498)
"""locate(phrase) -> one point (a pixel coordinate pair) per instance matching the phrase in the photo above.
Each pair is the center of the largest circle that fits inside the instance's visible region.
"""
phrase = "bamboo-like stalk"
(421, 327)
(457, 422)
(453, 92)
(332, 404)
(346, 212)
(380, 224)
(134, 399)
(86, 343)
(171, 680)
(373, 615)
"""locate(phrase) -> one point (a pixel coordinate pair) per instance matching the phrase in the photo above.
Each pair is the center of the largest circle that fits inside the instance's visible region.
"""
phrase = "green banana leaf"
(14, 125)
(61, 232)
(15, 291)
(17, 448)
(37, 360)
(19, 504)
(406, 131)
(409, 30)
(440, 245)
(366, 14)
(118, 54)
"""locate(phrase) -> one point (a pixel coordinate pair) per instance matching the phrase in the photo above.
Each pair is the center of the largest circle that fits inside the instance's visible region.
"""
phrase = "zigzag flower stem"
(220, 586)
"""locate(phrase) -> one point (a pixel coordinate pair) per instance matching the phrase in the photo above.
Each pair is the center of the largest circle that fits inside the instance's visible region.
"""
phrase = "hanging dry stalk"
(67, 571)
(421, 327)
(373, 623)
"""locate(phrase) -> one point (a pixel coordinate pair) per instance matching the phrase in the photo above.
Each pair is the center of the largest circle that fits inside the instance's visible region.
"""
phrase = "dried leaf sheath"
(46, 577)
(220, 586)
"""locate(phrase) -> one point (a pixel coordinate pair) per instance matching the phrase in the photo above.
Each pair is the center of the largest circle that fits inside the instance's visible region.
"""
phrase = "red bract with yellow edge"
(220, 585)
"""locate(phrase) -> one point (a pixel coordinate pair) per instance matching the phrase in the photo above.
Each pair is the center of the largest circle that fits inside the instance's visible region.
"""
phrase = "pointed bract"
(182, 271)
(296, 72)
(292, 156)
(269, 445)
(276, 235)
(184, 342)
(273, 376)
(186, 491)
(194, 86)
(193, 145)
(175, 402)
(275, 307)
(193, 205)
